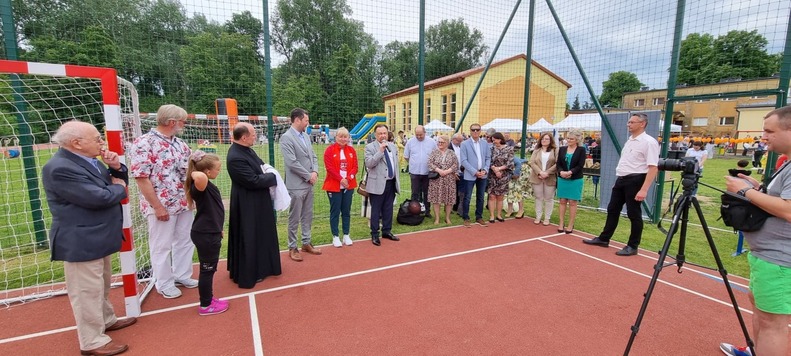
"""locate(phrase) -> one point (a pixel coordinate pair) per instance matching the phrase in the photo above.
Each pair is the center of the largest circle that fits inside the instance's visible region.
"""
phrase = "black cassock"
(253, 249)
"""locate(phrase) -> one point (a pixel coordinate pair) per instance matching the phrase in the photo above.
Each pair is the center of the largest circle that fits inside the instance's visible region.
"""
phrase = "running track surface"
(511, 288)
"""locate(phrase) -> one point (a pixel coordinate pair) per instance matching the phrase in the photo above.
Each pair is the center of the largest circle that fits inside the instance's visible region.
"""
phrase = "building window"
(758, 97)
(727, 99)
(700, 121)
(452, 122)
(702, 100)
(403, 115)
(428, 110)
(391, 114)
(444, 112)
(727, 120)
(639, 102)
(409, 116)
(659, 101)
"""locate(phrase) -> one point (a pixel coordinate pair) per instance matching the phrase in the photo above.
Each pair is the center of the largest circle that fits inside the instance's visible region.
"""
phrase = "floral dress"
(501, 156)
(443, 189)
(519, 188)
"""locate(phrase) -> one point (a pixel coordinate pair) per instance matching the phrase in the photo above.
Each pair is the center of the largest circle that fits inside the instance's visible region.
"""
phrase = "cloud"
(607, 35)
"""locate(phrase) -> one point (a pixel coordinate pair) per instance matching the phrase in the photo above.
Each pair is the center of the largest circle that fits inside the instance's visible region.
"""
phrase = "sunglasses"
(475, 130)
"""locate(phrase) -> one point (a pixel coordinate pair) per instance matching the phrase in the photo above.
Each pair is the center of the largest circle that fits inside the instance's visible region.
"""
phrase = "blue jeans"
(480, 193)
(340, 206)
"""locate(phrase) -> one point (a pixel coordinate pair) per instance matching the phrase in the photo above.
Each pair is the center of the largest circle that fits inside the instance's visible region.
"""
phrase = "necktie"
(389, 165)
(96, 164)
(302, 137)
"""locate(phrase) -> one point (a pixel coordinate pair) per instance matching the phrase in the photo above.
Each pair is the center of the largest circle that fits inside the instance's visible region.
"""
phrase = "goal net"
(35, 100)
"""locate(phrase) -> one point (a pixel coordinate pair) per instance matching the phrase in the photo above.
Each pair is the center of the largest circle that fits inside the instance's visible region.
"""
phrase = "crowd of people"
(185, 210)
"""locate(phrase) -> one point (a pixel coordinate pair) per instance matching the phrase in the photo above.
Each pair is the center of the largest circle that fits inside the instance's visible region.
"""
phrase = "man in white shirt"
(416, 152)
(636, 172)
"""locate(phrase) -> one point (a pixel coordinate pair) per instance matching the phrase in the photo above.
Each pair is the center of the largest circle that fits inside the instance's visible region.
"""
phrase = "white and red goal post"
(114, 132)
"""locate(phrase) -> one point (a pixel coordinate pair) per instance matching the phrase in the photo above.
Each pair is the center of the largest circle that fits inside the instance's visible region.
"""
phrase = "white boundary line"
(257, 343)
(251, 295)
(647, 276)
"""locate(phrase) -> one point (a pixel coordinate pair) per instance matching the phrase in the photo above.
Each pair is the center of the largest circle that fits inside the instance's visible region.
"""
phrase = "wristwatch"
(743, 191)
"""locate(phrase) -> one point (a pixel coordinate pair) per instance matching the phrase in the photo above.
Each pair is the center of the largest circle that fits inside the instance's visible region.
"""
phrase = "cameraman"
(636, 172)
(770, 247)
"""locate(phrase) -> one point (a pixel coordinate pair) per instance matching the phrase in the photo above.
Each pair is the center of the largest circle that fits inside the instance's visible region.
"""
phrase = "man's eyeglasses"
(98, 139)
(475, 130)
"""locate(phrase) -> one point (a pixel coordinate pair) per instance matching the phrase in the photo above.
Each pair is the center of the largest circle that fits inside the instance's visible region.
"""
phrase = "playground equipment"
(315, 133)
(366, 125)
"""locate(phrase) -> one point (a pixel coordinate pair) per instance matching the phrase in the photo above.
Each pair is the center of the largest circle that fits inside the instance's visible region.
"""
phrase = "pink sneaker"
(216, 307)
(220, 302)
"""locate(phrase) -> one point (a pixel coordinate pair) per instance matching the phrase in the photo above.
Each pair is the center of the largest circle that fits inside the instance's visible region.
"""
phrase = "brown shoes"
(121, 323)
(294, 254)
(111, 348)
(482, 222)
(467, 223)
(310, 249)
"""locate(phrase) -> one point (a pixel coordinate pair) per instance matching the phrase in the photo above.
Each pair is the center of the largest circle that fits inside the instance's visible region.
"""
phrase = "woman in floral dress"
(500, 171)
(443, 189)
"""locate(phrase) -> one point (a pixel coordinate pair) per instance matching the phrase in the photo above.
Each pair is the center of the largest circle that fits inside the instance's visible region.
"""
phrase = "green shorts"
(770, 285)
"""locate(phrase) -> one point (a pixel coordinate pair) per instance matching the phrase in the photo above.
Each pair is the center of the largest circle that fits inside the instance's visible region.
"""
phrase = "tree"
(321, 41)
(737, 54)
(616, 84)
(576, 104)
(246, 24)
(399, 66)
(220, 67)
(452, 47)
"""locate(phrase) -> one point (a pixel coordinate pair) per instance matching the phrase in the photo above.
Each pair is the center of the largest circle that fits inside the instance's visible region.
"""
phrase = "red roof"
(458, 77)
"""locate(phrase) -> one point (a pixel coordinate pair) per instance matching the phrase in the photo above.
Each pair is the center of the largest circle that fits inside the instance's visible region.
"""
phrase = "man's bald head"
(80, 138)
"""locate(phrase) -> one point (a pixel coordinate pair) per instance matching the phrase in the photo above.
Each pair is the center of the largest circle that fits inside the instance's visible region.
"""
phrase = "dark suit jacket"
(577, 161)
(87, 220)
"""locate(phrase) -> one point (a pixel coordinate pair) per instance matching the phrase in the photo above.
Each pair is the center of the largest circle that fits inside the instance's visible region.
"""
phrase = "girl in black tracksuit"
(208, 225)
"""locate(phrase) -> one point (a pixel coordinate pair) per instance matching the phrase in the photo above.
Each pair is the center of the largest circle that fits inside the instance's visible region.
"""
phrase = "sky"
(612, 35)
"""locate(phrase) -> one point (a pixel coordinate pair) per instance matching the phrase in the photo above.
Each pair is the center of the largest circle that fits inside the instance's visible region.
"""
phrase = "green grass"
(22, 264)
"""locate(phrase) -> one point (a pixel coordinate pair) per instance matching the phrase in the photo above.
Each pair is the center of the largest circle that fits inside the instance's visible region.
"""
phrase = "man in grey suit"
(87, 228)
(302, 168)
(381, 160)
(476, 156)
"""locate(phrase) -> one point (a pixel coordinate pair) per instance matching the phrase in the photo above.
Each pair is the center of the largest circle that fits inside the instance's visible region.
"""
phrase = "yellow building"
(714, 117)
(750, 119)
(501, 95)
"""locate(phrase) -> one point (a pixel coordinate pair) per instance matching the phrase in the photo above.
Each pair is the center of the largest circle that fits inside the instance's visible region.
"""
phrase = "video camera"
(686, 165)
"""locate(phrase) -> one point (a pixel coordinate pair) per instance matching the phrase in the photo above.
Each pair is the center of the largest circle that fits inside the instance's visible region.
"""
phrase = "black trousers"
(208, 245)
(623, 192)
(420, 189)
(382, 208)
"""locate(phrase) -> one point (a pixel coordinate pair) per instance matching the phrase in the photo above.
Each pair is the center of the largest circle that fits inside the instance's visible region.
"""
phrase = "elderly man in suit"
(381, 160)
(302, 167)
(476, 156)
(85, 201)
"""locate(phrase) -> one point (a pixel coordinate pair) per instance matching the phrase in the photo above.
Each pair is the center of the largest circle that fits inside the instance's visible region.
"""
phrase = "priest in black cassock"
(253, 248)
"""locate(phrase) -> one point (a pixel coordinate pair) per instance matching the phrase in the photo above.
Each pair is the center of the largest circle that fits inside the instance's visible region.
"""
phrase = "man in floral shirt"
(159, 166)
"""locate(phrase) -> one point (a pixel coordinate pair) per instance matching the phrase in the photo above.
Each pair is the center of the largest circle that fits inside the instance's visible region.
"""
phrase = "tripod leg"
(683, 205)
(724, 275)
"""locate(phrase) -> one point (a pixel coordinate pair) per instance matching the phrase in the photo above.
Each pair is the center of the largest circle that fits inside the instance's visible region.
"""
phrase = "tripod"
(680, 219)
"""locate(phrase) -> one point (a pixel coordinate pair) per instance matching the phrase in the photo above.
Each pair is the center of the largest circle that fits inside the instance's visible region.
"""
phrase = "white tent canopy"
(437, 125)
(504, 125)
(592, 122)
(541, 125)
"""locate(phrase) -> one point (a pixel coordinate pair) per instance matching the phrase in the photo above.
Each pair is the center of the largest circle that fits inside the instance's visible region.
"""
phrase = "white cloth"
(171, 249)
(279, 193)
(477, 148)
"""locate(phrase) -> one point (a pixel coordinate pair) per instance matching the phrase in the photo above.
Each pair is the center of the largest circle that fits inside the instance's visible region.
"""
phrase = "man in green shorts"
(770, 247)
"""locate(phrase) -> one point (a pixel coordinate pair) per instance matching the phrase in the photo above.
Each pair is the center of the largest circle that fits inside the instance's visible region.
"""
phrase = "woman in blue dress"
(571, 159)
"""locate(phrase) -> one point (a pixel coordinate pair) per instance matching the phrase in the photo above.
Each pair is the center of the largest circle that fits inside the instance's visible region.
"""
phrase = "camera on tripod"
(685, 165)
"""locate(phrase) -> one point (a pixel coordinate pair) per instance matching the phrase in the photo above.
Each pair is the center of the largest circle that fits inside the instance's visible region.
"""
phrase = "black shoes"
(375, 240)
(597, 241)
(627, 251)
(391, 237)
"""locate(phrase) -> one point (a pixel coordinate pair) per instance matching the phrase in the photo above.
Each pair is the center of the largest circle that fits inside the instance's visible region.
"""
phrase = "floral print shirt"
(163, 160)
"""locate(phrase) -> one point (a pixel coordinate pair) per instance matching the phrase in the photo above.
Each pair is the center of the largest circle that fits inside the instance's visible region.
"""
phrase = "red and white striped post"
(114, 129)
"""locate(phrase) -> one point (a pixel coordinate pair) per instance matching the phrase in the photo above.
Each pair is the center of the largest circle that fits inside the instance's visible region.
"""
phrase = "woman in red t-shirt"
(340, 161)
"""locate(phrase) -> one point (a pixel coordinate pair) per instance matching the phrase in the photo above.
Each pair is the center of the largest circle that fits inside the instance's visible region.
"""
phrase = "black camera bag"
(404, 217)
(740, 214)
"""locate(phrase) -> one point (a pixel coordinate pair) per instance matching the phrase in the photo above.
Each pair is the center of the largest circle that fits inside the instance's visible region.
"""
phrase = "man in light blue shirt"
(416, 152)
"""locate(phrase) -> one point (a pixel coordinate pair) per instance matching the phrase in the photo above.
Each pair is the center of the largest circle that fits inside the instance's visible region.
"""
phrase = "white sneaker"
(188, 283)
(170, 292)
(347, 240)
(336, 241)
(731, 350)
